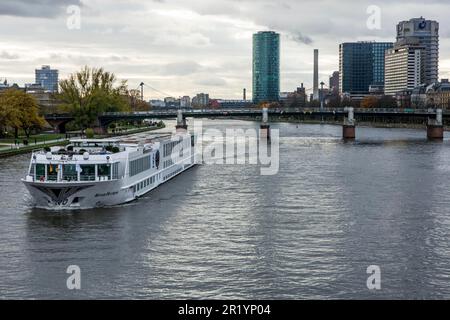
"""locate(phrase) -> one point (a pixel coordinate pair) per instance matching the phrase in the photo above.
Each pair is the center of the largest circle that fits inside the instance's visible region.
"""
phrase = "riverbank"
(27, 149)
(130, 131)
(12, 151)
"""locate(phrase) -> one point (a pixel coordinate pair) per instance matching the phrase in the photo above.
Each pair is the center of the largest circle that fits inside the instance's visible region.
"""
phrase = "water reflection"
(227, 232)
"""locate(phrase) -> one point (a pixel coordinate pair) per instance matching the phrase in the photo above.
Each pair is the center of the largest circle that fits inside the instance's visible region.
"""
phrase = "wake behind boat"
(92, 173)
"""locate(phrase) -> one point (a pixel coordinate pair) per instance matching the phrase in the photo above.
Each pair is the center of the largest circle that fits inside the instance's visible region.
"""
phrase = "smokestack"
(245, 94)
(316, 75)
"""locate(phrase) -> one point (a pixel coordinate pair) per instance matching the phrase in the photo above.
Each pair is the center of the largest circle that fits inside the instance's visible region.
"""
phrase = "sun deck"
(89, 159)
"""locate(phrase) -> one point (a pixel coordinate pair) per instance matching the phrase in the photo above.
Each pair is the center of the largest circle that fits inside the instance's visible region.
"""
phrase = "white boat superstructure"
(92, 173)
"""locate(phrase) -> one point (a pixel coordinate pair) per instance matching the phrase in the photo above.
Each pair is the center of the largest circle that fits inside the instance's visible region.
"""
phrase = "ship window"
(40, 170)
(70, 172)
(52, 172)
(139, 165)
(104, 170)
(87, 172)
(115, 170)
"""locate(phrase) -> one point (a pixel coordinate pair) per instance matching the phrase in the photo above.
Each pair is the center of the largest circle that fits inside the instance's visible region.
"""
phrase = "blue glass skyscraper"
(47, 78)
(266, 66)
(361, 65)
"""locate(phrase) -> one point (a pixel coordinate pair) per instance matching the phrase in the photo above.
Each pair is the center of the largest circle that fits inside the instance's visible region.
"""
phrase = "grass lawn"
(38, 137)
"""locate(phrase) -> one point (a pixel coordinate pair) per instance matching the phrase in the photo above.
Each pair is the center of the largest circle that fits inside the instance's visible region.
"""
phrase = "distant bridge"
(239, 112)
(58, 121)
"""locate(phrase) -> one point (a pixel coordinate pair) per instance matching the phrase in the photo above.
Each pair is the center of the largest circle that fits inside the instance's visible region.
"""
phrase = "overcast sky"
(182, 47)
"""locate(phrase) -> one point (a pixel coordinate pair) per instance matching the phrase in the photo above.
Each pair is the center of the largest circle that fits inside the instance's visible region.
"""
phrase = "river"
(226, 231)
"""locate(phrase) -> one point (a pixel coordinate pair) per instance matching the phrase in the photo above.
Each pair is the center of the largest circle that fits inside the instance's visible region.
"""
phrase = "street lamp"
(321, 95)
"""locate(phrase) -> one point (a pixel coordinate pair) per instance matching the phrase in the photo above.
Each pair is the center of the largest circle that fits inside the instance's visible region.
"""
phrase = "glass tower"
(266, 67)
(47, 78)
(361, 65)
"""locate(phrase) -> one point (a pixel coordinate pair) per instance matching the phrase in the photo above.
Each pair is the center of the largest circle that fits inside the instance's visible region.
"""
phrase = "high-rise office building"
(266, 66)
(427, 33)
(361, 66)
(404, 68)
(47, 78)
(334, 82)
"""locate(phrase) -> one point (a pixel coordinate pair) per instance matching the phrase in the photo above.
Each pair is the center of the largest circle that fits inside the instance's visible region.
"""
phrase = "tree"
(135, 101)
(269, 105)
(334, 102)
(19, 110)
(89, 133)
(387, 102)
(90, 92)
(8, 114)
(369, 102)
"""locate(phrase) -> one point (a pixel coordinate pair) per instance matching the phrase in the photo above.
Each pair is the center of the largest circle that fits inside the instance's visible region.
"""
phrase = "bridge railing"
(247, 111)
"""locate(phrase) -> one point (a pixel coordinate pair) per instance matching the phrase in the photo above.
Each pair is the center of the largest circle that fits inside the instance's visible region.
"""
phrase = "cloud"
(8, 56)
(180, 46)
(36, 8)
(211, 81)
(300, 38)
(181, 68)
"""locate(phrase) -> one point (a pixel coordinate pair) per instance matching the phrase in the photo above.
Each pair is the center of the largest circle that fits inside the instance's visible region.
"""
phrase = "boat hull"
(78, 195)
(88, 195)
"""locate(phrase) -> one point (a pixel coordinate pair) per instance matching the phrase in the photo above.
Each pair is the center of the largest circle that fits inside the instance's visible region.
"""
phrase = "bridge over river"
(434, 118)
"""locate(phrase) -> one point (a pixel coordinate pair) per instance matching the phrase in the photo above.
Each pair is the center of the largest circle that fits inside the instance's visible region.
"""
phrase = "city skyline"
(213, 41)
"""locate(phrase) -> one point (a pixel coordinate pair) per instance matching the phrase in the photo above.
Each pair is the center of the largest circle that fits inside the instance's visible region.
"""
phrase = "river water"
(225, 231)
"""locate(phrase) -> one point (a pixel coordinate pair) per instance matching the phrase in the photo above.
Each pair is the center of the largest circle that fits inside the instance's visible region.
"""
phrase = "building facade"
(185, 102)
(404, 68)
(226, 103)
(171, 102)
(426, 32)
(47, 78)
(438, 95)
(266, 67)
(201, 100)
(334, 82)
(361, 65)
(155, 103)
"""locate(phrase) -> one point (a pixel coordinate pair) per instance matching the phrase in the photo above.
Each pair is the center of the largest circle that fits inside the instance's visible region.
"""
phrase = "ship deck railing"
(70, 179)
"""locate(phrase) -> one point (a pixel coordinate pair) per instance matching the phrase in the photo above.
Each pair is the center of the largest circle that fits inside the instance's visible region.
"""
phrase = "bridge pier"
(58, 126)
(349, 128)
(181, 126)
(264, 131)
(58, 121)
(435, 127)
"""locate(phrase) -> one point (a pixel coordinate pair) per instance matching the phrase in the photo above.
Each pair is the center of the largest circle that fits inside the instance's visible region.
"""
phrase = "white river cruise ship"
(90, 173)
